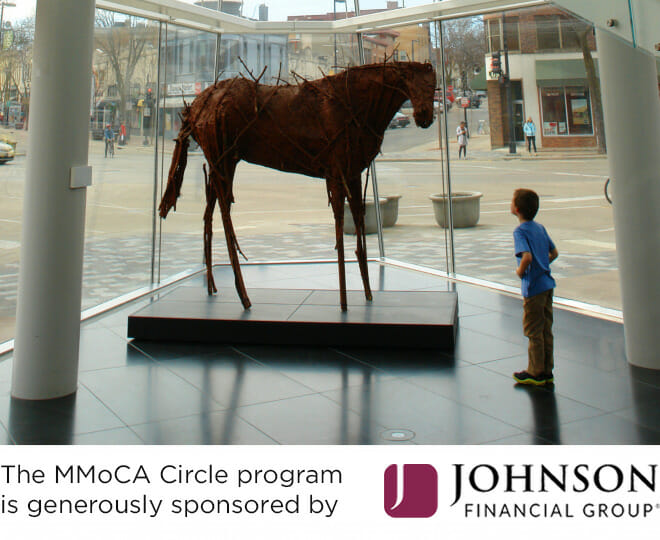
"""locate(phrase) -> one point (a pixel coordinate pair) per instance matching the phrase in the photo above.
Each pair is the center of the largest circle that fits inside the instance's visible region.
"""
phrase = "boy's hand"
(525, 261)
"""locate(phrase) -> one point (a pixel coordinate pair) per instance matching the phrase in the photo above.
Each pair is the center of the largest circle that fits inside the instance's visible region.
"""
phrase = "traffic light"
(495, 65)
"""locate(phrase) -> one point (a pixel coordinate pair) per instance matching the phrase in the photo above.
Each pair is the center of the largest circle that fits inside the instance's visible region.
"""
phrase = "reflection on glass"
(119, 203)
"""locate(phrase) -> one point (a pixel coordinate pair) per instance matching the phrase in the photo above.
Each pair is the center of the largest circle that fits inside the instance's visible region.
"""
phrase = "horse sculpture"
(329, 128)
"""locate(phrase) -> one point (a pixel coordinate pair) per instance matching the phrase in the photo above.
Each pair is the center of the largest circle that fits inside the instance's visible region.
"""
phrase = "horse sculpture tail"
(177, 168)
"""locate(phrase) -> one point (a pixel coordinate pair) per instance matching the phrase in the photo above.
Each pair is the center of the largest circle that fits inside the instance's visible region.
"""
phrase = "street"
(281, 216)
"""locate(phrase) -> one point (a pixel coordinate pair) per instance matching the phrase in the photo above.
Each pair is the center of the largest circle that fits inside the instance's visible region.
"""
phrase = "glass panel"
(276, 215)
(15, 79)
(563, 165)
(411, 168)
(120, 201)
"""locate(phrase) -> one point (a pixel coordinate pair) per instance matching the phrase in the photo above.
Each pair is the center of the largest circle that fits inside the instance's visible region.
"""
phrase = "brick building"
(548, 77)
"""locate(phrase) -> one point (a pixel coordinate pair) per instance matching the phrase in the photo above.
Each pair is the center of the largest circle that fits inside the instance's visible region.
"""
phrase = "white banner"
(312, 492)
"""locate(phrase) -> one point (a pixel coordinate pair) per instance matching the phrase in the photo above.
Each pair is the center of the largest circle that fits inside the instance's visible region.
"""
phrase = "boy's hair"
(527, 203)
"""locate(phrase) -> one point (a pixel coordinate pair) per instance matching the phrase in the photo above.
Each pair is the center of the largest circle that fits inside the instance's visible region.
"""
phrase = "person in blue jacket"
(530, 134)
(534, 251)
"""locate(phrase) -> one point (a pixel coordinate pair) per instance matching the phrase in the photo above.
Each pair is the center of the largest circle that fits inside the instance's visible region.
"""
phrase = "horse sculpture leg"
(337, 195)
(357, 209)
(211, 199)
(222, 188)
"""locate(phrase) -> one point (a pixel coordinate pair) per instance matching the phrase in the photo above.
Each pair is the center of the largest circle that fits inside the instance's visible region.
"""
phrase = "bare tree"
(576, 35)
(465, 46)
(16, 62)
(122, 40)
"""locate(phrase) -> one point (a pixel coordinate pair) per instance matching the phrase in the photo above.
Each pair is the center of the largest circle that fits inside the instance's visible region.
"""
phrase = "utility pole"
(509, 98)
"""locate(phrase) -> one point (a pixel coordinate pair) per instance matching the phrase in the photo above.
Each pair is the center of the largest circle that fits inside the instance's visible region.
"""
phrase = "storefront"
(565, 104)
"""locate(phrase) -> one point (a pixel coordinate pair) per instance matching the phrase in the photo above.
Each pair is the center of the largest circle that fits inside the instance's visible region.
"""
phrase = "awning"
(174, 102)
(555, 70)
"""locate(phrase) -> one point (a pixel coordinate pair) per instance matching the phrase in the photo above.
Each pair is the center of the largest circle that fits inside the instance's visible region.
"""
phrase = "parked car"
(7, 152)
(438, 107)
(400, 120)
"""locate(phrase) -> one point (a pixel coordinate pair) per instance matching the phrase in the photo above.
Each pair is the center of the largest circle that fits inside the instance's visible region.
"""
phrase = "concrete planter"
(390, 210)
(465, 208)
(369, 216)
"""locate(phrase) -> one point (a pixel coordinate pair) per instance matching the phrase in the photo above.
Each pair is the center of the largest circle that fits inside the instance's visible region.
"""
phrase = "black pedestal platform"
(409, 319)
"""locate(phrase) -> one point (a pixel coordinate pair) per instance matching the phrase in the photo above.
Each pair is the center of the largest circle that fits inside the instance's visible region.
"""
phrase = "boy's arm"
(525, 261)
(553, 254)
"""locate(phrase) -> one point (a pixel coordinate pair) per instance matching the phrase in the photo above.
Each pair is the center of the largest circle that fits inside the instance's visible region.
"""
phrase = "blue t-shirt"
(532, 237)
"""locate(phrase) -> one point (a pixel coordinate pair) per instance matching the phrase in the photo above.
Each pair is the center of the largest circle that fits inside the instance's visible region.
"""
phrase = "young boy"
(534, 252)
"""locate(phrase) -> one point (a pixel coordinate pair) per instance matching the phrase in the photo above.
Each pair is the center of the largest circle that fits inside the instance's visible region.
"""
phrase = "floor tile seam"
(301, 304)
(112, 411)
(193, 416)
(238, 415)
(556, 393)
(655, 429)
(464, 405)
(145, 353)
(267, 366)
(559, 357)
(379, 369)
(106, 430)
(578, 420)
(644, 383)
(221, 405)
(9, 434)
(496, 336)
(161, 364)
(522, 432)
(469, 407)
(358, 413)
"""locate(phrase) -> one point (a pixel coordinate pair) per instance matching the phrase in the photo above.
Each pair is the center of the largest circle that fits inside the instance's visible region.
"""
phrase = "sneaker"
(549, 377)
(522, 377)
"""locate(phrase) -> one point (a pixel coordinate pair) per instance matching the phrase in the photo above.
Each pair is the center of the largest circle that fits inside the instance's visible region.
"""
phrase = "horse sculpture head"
(419, 83)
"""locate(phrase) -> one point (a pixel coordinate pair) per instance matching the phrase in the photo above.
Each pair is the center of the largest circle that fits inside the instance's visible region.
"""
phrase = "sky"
(278, 9)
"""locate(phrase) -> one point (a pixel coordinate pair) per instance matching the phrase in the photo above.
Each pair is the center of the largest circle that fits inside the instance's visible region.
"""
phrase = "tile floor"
(173, 393)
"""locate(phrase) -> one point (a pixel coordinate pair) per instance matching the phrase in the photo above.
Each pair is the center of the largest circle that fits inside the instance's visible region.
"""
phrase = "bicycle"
(110, 147)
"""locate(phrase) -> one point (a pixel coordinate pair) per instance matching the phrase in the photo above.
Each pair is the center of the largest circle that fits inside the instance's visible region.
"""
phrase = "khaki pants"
(537, 326)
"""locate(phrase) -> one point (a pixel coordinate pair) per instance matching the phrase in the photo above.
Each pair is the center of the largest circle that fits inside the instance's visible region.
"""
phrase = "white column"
(50, 278)
(632, 127)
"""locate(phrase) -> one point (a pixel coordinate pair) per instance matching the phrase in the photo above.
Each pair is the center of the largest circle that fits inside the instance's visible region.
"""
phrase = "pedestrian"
(530, 134)
(534, 251)
(122, 135)
(109, 138)
(462, 137)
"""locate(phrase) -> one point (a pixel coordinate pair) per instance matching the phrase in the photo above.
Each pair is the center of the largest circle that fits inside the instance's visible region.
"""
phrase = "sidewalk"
(479, 150)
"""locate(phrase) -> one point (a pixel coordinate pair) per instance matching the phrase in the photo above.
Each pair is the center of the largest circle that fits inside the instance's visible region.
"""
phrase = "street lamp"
(509, 97)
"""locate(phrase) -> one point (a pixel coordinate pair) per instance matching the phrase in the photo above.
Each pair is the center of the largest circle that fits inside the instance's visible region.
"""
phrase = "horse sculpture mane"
(328, 128)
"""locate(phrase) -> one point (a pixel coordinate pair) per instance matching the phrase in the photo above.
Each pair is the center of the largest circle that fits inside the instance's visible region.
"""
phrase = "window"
(570, 29)
(578, 107)
(547, 32)
(566, 111)
(494, 35)
(554, 111)
(511, 33)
